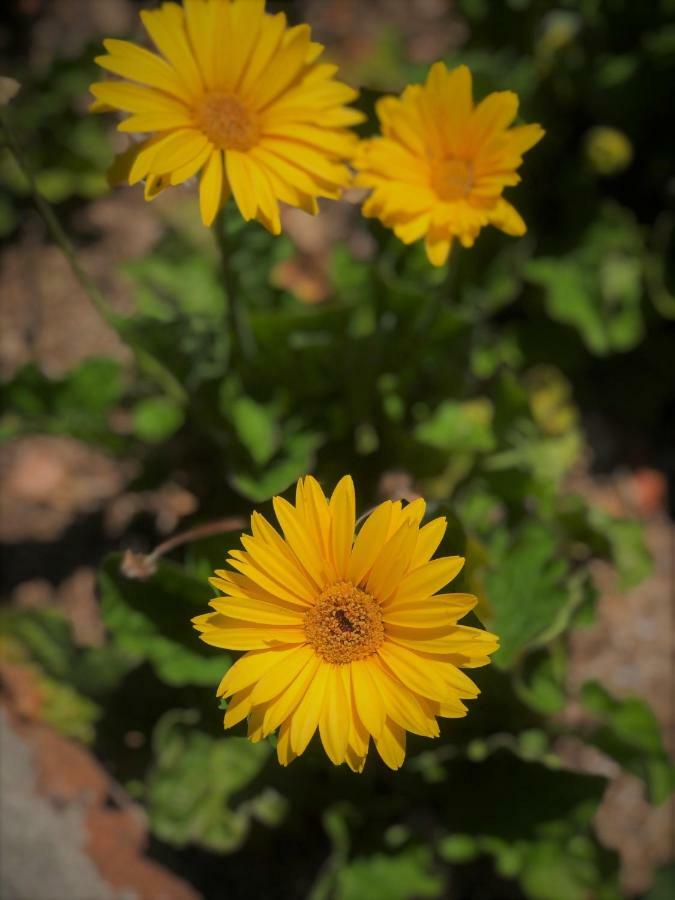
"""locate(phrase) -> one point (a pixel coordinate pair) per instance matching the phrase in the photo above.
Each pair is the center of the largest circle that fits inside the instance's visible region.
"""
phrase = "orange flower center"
(452, 179)
(226, 122)
(345, 624)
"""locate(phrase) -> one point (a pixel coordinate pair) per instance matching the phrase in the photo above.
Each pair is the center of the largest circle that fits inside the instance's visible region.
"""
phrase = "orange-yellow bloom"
(238, 96)
(345, 634)
(439, 169)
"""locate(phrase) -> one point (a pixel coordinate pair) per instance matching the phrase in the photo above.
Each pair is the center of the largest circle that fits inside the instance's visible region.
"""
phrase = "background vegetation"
(480, 387)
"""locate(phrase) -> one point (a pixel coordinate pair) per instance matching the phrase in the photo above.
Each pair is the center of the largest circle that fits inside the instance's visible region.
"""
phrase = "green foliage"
(526, 591)
(156, 419)
(597, 287)
(79, 404)
(404, 876)
(468, 381)
(150, 620)
(629, 732)
(195, 782)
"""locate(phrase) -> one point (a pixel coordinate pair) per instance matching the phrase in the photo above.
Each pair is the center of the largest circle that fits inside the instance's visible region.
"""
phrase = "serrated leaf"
(195, 779)
(631, 735)
(526, 590)
(150, 620)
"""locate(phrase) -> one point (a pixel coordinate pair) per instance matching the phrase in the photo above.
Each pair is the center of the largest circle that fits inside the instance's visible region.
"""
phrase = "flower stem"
(243, 338)
(145, 360)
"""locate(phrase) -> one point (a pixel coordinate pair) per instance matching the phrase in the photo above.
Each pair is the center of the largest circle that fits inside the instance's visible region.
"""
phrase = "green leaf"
(630, 734)
(526, 591)
(406, 876)
(194, 782)
(459, 427)
(46, 637)
(277, 477)
(157, 418)
(256, 428)
(597, 288)
(628, 549)
(150, 620)
(77, 404)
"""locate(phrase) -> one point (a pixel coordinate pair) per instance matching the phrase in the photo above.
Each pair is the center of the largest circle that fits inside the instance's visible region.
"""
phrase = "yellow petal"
(393, 561)
(334, 719)
(284, 753)
(250, 668)
(256, 611)
(343, 520)
(271, 32)
(285, 67)
(369, 542)
(305, 718)
(238, 708)
(244, 564)
(240, 182)
(412, 670)
(183, 149)
(391, 744)
(182, 173)
(508, 219)
(233, 634)
(211, 187)
(367, 701)
(428, 540)
(492, 114)
(427, 579)
(402, 705)
(279, 709)
(138, 64)
(438, 249)
(280, 677)
(166, 27)
(236, 585)
(435, 612)
(280, 566)
(301, 541)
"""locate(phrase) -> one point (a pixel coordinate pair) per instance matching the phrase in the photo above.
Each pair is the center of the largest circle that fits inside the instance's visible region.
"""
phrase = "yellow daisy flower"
(236, 95)
(439, 169)
(345, 634)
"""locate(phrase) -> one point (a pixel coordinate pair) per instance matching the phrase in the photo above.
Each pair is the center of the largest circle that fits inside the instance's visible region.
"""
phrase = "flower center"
(345, 624)
(452, 179)
(226, 122)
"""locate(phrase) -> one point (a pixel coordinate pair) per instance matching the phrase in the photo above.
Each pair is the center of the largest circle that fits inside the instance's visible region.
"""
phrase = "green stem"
(243, 338)
(446, 288)
(146, 361)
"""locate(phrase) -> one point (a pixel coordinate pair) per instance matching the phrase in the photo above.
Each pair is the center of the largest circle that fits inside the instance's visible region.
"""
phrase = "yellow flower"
(439, 169)
(236, 95)
(343, 634)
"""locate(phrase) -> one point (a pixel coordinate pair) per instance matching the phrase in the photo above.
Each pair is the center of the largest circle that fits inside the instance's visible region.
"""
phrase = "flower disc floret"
(345, 624)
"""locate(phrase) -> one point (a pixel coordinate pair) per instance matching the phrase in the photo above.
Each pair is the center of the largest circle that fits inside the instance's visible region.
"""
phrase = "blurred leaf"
(631, 735)
(406, 876)
(458, 426)
(77, 404)
(150, 620)
(541, 684)
(195, 779)
(156, 418)
(526, 590)
(256, 428)
(598, 287)
(46, 637)
(297, 460)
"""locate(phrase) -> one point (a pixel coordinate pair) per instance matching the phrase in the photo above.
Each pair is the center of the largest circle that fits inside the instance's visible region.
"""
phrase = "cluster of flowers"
(343, 629)
(240, 98)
